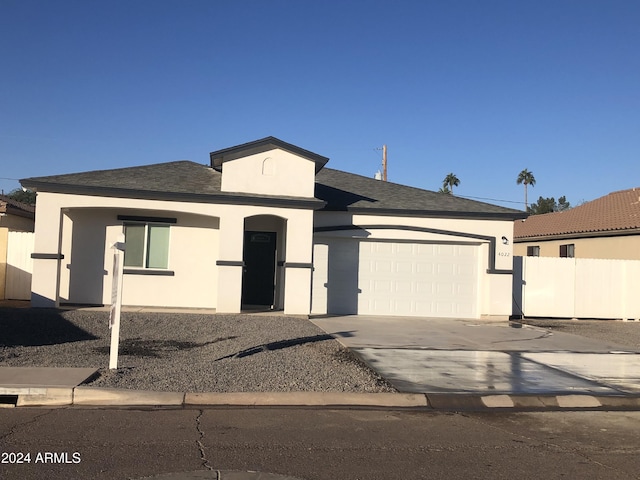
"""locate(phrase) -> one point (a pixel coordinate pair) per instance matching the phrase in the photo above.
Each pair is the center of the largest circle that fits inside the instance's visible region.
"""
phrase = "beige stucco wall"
(203, 234)
(78, 226)
(85, 275)
(15, 222)
(275, 172)
(495, 289)
(298, 249)
(620, 247)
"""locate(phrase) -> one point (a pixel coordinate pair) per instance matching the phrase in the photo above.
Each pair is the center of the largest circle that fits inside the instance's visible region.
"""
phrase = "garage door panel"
(404, 288)
(446, 291)
(404, 307)
(445, 269)
(424, 288)
(425, 249)
(381, 266)
(402, 248)
(423, 268)
(404, 267)
(445, 250)
(381, 287)
(402, 278)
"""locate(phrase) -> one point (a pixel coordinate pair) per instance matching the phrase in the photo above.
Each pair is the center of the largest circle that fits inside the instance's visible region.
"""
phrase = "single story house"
(266, 224)
(16, 216)
(608, 227)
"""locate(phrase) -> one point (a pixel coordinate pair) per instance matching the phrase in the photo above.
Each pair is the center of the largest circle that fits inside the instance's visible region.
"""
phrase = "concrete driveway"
(421, 355)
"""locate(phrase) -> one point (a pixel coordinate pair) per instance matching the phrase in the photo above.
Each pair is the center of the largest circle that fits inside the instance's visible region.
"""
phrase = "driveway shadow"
(27, 327)
(279, 345)
(139, 347)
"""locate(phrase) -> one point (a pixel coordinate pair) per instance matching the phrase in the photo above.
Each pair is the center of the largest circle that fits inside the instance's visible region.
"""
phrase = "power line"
(491, 199)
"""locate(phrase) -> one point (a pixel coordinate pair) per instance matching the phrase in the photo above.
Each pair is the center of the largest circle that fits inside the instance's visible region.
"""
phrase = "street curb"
(49, 396)
(404, 400)
(120, 397)
(112, 397)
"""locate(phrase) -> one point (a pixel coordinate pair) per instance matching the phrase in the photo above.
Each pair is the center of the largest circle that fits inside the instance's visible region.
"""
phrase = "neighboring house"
(266, 224)
(608, 227)
(16, 216)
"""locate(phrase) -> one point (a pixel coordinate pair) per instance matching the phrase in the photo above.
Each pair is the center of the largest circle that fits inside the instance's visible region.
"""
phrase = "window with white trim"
(533, 251)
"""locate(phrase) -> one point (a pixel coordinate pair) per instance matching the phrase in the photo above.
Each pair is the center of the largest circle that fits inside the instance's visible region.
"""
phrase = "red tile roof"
(616, 212)
(6, 201)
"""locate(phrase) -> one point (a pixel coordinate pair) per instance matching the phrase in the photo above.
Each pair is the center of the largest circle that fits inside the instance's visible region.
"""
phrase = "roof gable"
(616, 212)
(218, 157)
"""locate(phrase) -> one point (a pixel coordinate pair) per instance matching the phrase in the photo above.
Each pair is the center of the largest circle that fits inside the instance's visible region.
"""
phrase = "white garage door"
(393, 278)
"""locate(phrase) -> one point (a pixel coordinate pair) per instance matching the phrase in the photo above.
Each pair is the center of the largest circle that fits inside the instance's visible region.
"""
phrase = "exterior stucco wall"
(15, 222)
(625, 247)
(495, 288)
(85, 277)
(83, 228)
(206, 251)
(276, 172)
(298, 250)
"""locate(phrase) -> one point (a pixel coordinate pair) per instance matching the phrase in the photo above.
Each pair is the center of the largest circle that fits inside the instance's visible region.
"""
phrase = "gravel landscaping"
(187, 352)
(615, 331)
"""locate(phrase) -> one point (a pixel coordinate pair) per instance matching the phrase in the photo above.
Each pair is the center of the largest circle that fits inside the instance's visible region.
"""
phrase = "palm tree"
(527, 178)
(449, 182)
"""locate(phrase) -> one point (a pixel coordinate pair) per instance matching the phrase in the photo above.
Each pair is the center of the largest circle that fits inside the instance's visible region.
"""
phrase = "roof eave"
(114, 192)
(507, 216)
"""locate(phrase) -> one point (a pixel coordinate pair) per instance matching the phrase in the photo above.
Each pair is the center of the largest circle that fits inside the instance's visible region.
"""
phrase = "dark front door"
(258, 279)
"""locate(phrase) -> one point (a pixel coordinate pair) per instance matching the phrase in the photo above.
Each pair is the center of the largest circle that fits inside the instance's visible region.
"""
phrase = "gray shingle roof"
(176, 177)
(337, 190)
(348, 191)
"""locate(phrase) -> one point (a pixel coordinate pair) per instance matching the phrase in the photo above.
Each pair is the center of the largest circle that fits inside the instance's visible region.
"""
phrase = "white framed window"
(147, 242)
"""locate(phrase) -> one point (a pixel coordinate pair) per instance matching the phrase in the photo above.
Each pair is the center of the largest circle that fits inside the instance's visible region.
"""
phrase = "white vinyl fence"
(19, 265)
(576, 288)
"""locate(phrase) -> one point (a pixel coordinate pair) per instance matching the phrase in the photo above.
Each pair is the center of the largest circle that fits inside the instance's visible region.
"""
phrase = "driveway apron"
(426, 355)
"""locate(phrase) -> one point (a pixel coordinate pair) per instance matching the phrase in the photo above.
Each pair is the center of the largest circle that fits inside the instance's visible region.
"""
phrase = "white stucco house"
(267, 224)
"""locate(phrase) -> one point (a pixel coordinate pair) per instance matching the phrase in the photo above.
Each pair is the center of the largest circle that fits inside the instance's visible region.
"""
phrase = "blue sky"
(482, 89)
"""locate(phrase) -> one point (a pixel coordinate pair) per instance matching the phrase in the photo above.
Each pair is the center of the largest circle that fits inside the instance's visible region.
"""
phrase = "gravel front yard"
(615, 331)
(187, 352)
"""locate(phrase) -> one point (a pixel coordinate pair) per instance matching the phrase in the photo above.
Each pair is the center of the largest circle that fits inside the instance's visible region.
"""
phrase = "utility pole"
(384, 163)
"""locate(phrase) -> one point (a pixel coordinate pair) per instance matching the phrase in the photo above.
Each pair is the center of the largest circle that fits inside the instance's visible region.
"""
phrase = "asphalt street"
(318, 443)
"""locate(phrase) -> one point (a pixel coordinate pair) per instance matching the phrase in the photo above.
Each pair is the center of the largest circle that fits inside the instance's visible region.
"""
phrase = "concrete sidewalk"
(435, 363)
(37, 395)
